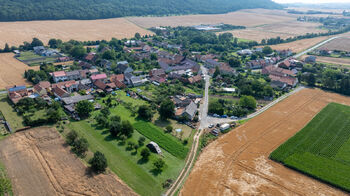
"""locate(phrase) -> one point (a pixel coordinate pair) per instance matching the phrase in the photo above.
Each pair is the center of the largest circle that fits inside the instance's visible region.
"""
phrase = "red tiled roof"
(120, 84)
(59, 91)
(285, 79)
(59, 74)
(99, 77)
(100, 84)
(119, 77)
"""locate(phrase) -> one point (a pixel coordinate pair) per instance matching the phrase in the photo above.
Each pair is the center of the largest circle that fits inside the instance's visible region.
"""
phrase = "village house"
(245, 52)
(90, 57)
(16, 93)
(137, 81)
(69, 86)
(123, 67)
(157, 72)
(84, 65)
(73, 75)
(285, 53)
(59, 76)
(59, 92)
(42, 88)
(102, 77)
(190, 111)
(211, 63)
(287, 80)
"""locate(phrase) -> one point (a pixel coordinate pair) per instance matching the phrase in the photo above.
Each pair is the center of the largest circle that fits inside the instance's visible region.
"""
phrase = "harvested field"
(300, 45)
(238, 163)
(331, 60)
(39, 163)
(15, 33)
(341, 44)
(249, 18)
(12, 70)
(283, 30)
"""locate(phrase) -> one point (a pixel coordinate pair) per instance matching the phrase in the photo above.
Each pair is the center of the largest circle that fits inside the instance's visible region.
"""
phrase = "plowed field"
(238, 163)
(39, 163)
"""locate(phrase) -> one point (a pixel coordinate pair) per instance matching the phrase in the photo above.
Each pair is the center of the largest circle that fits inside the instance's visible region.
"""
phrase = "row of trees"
(230, 108)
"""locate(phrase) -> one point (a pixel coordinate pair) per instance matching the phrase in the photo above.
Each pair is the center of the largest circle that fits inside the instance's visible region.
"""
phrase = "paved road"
(203, 115)
(314, 47)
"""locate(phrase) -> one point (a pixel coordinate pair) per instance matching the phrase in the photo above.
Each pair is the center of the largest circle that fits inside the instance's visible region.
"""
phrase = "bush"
(145, 153)
(98, 162)
(80, 147)
(71, 137)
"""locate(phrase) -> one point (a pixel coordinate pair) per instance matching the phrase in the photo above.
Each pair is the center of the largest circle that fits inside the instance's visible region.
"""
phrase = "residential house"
(102, 77)
(181, 101)
(84, 65)
(59, 76)
(288, 80)
(93, 71)
(17, 93)
(245, 52)
(127, 78)
(100, 85)
(84, 84)
(285, 53)
(123, 67)
(73, 75)
(137, 81)
(76, 99)
(60, 93)
(157, 72)
(42, 88)
(190, 111)
(195, 79)
(176, 74)
(69, 86)
(91, 57)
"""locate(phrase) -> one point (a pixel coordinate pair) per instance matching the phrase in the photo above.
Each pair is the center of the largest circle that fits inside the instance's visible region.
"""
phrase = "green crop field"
(322, 148)
(168, 142)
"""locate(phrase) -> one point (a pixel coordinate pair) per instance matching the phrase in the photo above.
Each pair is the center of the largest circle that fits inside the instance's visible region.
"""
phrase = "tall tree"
(167, 109)
(98, 162)
(84, 108)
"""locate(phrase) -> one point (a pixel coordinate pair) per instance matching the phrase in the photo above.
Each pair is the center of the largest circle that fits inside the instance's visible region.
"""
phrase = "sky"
(312, 1)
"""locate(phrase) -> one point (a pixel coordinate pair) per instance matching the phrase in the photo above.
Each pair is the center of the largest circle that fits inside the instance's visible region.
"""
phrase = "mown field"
(322, 148)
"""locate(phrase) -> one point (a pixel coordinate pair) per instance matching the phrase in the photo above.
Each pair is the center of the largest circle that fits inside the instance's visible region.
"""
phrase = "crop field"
(260, 23)
(167, 142)
(238, 163)
(341, 43)
(39, 163)
(300, 45)
(321, 148)
(12, 70)
(332, 60)
(15, 33)
(283, 30)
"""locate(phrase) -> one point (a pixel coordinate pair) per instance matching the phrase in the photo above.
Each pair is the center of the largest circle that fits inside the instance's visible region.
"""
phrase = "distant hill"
(23, 10)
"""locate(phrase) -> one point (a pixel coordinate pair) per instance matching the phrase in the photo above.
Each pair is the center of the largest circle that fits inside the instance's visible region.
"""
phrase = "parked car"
(224, 116)
(216, 116)
(233, 117)
(211, 126)
(215, 132)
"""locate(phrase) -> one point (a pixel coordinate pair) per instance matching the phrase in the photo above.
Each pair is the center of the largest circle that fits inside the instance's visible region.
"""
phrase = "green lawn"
(127, 164)
(15, 121)
(28, 55)
(322, 148)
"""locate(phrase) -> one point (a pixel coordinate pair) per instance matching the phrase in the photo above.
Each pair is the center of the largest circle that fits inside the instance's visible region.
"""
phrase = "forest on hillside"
(25, 10)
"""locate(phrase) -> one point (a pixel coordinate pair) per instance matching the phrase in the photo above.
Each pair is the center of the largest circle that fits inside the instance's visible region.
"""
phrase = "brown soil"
(12, 70)
(15, 33)
(39, 163)
(238, 163)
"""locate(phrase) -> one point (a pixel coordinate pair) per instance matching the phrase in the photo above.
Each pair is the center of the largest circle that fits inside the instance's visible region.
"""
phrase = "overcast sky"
(312, 1)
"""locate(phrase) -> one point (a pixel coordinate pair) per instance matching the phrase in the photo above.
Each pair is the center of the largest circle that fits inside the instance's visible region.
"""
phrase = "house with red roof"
(102, 77)
(59, 76)
(91, 57)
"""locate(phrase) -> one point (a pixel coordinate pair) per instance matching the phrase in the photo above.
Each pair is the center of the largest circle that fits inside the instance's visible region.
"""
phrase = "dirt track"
(238, 164)
(39, 163)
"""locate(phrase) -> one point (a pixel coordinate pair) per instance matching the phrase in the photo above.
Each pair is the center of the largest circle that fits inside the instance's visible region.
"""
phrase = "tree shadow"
(109, 138)
(134, 153)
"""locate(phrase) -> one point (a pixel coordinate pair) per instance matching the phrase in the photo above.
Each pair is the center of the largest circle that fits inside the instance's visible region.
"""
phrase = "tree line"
(25, 10)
